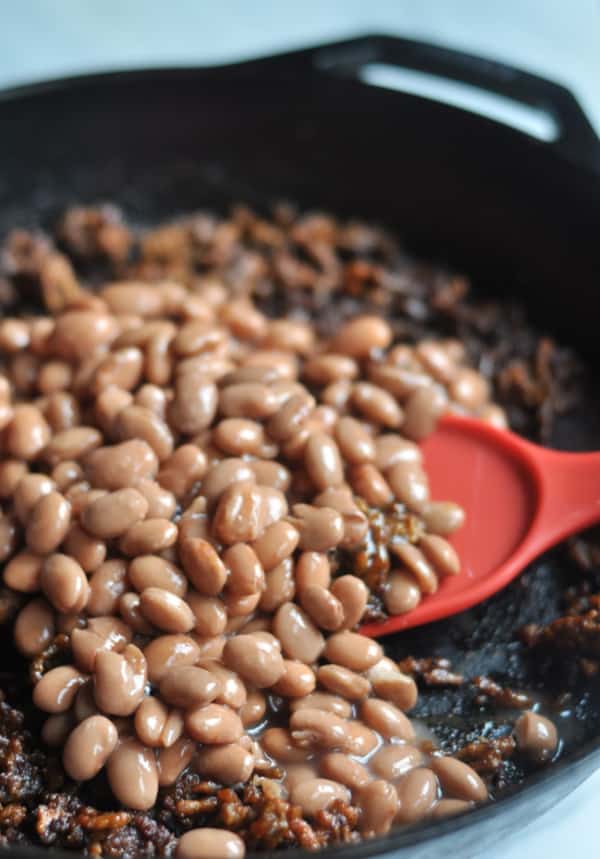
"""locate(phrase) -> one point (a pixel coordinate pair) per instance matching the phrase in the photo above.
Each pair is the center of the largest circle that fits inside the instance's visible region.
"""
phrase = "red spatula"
(519, 498)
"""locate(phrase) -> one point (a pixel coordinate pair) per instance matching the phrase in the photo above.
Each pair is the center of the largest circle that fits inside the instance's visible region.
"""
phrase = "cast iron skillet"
(516, 214)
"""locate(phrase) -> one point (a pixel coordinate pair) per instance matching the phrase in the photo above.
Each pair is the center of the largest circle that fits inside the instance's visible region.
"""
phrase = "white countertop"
(557, 39)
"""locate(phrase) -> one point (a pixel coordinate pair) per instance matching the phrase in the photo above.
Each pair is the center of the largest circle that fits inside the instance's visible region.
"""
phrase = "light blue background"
(556, 38)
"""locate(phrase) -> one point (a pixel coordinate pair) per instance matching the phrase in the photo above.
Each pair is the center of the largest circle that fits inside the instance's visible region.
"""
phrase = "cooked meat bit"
(486, 756)
(573, 634)
(502, 696)
(432, 671)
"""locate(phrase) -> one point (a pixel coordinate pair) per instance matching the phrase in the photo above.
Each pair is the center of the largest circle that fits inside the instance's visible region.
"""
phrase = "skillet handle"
(576, 136)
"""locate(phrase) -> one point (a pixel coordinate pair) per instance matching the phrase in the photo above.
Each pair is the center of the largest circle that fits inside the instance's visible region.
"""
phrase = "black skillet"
(516, 214)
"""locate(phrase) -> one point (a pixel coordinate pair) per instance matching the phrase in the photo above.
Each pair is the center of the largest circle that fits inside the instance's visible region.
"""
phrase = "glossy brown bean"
(323, 461)
(352, 651)
(409, 484)
(27, 433)
(436, 360)
(443, 517)
(121, 465)
(152, 571)
(449, 808)
(169, 651)
(291, 416)
(390, 683)
(300, 639)
(343, 769)
(376, 405)
(279, 586)
(9, 534)
(245, 572)
(34, 627)
(173, 760)
(458, 780)
(312, 568)
(423, 408)
(207, 843)
(418, 565)
(77, 333)
(136, 422)
(195, 403)
(379, 805)
(72, 444)
(322, 606)
(317, 794)
(149, 537)
(361, 336)
(277, 543)
(269, 473)
(188, 686)
(204, 567)
(162, 503)
(87, 551)
(133, 775)
(323, 701)
(247, 400)
(223, 474)
(343, 682)
(150, 721)
(320, 528)
(101, 633)
(441, 554)
(469, 389)
(318, 729)
(401, 592)
(356, 445)
(417, 795)
(209, 612)
(256, 658)
(254, 709)
(107, 584)
(48, 523)
(369, 483)
(227, 764)
(64, 583)
(56, 690)
(114, 513)
(352, 593)
(12, 472)
(88, 747)
(386, 719)
(28, 492)
(22, 573)
(240, 514)
(166, 611)
(391, 449)
(536, 737)
(232, 690)
(119, 680)
(213, 724)
(297, 680)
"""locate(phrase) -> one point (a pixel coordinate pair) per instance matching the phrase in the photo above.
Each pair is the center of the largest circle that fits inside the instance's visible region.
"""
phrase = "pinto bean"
(114, 513)
(119, 680)
(88, 747)
(188, 686)
(353, 594)
(48, 524)
(257, 659)
(56, 690)
(341, 681)
(443, 517)
(379, 806)
(352, 650)
(536, 736)
(207, 843)
(133, 775)
(343, 769)
(417, 794)
(34, 627)
(317, 794)
(459, 780)
(64, 583)
(173, 760)
(121, 465)
(299, 637)
(107, 584)
(227, 764)
(213, 724)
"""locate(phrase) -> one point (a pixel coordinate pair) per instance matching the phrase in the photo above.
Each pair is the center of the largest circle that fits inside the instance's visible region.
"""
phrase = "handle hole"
(534, 121)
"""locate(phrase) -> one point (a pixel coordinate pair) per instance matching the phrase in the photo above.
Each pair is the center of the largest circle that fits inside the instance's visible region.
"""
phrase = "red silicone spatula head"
(519, 500)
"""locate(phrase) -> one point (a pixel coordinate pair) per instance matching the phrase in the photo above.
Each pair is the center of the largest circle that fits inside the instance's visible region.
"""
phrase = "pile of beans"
(179, 476)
